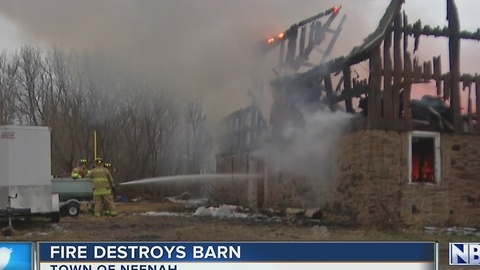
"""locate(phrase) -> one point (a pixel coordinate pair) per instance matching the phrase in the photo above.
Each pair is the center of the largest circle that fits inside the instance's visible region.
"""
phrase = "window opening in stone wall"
(424, 159)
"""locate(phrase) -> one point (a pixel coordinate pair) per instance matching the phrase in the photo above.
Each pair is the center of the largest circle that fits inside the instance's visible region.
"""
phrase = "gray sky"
(204, 47)
(10, 37)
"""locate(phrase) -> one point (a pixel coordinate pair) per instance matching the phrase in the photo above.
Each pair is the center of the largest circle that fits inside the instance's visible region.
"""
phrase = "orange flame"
(281, 35)
(270, 40)
(336, 9)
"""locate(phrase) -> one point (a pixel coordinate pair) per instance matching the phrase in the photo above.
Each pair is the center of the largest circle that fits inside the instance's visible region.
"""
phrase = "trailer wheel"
(72, 209)
(55, 217)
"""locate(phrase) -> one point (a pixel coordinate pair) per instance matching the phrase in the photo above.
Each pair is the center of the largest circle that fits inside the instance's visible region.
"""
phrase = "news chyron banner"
(236, 255)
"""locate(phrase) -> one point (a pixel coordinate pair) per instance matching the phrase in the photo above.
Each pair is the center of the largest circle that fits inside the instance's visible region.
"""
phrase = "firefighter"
(108, 166)
(103, 186)
(81, 170)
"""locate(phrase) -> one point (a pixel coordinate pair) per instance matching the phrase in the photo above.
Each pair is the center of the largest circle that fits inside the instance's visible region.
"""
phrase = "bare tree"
(141, 128)
(198, 141)
(8, 94)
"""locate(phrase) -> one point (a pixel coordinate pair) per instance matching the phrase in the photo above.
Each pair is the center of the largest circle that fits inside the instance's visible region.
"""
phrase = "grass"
(130, 226)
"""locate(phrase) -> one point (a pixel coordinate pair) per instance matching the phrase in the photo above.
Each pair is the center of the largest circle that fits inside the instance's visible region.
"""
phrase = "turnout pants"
(104, 202)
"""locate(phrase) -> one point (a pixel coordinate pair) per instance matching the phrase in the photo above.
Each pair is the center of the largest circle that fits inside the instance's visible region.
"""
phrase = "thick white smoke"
(307, 149)
(201, 48)
(207, 48)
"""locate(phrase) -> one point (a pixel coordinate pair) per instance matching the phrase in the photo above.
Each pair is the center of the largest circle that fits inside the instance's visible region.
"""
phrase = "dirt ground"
(182, 225)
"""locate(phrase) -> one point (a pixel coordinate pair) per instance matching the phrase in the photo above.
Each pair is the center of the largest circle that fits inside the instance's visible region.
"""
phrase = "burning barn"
(397, 160)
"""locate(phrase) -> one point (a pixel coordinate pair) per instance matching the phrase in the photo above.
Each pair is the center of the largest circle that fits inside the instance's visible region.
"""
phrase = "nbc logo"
(464, 254)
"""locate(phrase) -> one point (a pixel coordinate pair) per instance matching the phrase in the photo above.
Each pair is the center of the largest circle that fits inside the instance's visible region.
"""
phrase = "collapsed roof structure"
(404, 159)
(387, 92)
(385, 97)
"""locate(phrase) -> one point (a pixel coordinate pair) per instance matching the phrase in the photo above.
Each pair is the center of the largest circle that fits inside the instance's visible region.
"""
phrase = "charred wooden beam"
(447, 78)
(437, 74)
(454, 61)
(311, 38)
(397, 68)
(320, 33)
(356, 91)
(303, 35)
(407, 88)
(417, 71)
(339, 85)
(334, 39)
(467, 84)
(331, 11)
(347, 84)
(329, 90)
(329, 21)
(427, 71)
(405, 36)
(375, 82)
(417, 30)
(292, 44)
(359, 87)
(359, 53)
(315, 36)
(292, 32)
(467, 81)
(387, 82)
(416, 34)
(469, 109)
(421, 76)
(477, 101)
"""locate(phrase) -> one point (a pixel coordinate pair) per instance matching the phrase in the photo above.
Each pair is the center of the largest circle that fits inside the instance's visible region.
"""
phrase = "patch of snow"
(57, 227)
(202, 211)
(224, 211)
(36, 234)
(164, 214)
(451, 231)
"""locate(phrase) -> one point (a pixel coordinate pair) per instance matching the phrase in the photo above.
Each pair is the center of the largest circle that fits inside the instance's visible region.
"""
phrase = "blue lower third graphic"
(16, 255)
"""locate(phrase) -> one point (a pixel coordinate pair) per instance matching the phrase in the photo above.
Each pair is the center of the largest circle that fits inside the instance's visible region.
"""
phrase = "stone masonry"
(369, 182)
(371, 177)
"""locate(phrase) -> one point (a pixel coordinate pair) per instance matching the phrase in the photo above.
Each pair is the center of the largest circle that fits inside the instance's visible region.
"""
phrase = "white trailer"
(25, 173)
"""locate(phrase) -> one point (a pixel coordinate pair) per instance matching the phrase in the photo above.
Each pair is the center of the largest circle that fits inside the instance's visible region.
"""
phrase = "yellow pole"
(94, 144)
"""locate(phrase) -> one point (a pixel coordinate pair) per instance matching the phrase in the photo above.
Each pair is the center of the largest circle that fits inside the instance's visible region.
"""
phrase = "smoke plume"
(204, 49)
(307, 149)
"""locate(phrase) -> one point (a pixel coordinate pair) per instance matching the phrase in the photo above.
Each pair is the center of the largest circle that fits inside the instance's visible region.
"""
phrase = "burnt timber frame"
(245, 129)
(398, 73)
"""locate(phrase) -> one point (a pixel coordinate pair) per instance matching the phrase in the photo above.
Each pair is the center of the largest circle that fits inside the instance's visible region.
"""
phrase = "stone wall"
(369, 169)
(463, 171)
(369, 183)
